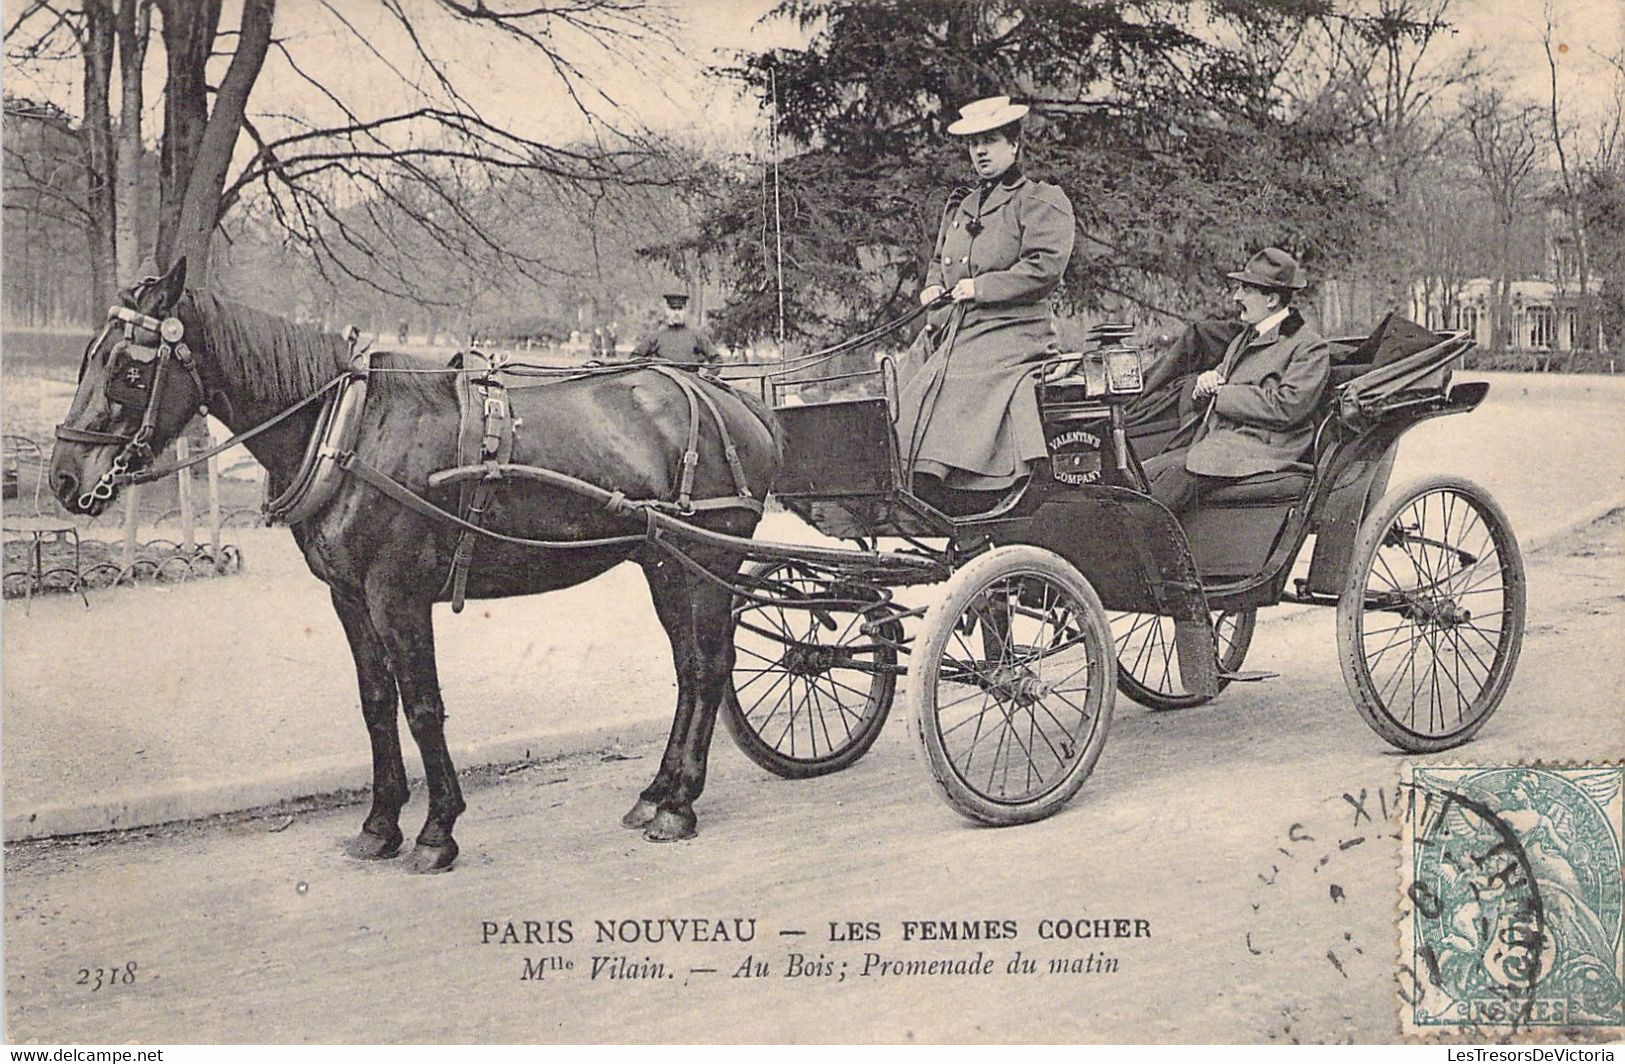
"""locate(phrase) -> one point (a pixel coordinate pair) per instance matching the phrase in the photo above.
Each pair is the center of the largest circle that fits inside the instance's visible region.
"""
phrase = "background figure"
(676, 340)
(968, 419)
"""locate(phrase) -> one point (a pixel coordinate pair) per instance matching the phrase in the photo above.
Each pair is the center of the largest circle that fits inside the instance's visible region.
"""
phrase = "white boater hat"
(983, 115)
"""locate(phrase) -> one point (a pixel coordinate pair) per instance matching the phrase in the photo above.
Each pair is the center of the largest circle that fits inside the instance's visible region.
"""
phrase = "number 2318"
(97, 978)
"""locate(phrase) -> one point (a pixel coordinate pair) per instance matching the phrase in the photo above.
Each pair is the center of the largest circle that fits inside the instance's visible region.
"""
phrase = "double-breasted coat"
(1263, 415)
(970, 413)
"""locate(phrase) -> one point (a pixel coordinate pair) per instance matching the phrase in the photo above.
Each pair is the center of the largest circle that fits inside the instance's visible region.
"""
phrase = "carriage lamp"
(1124, 375)
(1111, 371)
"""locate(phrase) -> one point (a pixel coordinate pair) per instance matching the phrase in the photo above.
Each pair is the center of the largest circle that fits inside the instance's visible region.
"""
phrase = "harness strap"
(615, 502)
(731, 453)
(376, 478)
(691, 451)
(159, 472)
(487, 395)
(697, 396)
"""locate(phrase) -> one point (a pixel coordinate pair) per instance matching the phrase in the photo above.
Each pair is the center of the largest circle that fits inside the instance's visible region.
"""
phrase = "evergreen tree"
(1166, 125)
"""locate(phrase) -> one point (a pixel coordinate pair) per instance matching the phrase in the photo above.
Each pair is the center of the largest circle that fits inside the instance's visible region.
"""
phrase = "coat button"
(963, 258)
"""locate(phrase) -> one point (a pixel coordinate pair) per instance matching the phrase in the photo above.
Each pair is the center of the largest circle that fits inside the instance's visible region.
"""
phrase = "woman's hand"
(930, 294)
(965, 291)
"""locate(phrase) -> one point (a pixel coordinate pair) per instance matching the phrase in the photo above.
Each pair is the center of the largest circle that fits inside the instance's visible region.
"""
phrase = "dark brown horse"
(386, 564)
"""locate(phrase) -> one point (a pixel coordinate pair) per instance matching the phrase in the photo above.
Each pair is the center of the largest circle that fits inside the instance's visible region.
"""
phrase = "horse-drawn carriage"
(1078, 582)
(408, 484)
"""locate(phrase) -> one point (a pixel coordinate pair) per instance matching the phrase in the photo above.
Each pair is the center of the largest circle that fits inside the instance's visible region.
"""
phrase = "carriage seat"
(1263, 489)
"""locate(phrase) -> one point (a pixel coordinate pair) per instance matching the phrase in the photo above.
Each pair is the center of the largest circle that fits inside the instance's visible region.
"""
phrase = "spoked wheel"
(811, 687)
(1012, 685)
(1148, 664)
(1431, 621)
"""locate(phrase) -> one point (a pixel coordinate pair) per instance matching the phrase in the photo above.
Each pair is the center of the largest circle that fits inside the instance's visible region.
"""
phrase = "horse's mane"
(284, 362)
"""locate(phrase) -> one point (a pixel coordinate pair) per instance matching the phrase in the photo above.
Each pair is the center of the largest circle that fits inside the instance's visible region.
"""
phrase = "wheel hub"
(1018, 684)
(806, 660)
(1439, 611)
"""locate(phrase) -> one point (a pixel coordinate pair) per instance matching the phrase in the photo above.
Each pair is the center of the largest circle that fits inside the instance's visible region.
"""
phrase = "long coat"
(970, 414)
(1263, 415)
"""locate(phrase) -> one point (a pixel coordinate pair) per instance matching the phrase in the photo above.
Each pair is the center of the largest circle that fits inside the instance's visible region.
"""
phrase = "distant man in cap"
(677, 341)
(1261, 399)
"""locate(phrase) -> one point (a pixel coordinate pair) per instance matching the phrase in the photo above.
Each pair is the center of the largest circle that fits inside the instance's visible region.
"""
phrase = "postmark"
(1510, 912)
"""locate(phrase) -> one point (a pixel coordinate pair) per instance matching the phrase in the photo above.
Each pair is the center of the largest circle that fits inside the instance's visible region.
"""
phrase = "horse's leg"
(698, 616)
(712, 628)
(406, 626)
(381, 832)
(668, 588)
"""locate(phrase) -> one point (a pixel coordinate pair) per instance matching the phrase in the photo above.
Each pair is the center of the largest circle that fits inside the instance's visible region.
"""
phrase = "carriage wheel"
(1431, 620)
(1148, 664)
(1014, 717)
(810, 690)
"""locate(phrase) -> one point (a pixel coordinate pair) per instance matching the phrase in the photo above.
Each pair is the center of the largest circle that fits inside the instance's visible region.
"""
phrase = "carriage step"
(1248, 677)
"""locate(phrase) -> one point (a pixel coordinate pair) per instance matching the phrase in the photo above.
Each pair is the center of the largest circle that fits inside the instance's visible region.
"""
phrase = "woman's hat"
(983, 115)
(676, 300)
(1271, 268)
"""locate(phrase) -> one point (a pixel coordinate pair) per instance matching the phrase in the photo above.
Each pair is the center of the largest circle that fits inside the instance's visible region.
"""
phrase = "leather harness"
(486, 433)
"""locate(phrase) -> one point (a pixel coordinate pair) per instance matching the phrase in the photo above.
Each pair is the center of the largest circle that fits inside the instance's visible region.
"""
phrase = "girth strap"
(486, 422)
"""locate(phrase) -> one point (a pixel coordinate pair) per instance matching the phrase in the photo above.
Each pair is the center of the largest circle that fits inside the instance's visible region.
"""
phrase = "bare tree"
(133, 25)
(312, 167)
(1571, 200)
(1505, 151)
(1386, 60)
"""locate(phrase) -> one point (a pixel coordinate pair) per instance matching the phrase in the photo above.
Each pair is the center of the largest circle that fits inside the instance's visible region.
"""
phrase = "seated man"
(1261, 398)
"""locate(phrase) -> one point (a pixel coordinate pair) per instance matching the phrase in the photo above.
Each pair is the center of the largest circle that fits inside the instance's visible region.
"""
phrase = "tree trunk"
(189, 32)
(98, 147)
(134, 27)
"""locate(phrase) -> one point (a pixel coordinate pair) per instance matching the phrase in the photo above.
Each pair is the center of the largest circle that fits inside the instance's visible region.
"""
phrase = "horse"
(386, 563)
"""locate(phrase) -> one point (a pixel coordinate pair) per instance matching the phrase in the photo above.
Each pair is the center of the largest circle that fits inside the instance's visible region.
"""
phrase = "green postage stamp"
(1511, 906)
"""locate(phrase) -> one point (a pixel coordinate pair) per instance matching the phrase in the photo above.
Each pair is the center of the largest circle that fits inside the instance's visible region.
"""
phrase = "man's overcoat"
(1263, 415)
(970, 414)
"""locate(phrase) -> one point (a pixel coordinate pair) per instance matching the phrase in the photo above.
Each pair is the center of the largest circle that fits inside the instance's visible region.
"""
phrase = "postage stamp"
(1510, 913)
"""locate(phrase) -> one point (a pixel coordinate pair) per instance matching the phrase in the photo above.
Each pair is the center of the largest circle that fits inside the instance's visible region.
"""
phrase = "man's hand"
(1208, 383)
(965, 291)
(930, 294)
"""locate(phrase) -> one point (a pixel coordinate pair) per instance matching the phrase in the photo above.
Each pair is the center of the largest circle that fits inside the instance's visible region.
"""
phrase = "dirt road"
(1216, 843)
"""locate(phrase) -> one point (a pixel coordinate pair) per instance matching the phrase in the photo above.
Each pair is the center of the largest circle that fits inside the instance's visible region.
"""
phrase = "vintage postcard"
(729, 521)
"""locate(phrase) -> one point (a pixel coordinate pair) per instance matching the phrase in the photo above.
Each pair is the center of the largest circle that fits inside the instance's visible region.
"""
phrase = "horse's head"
(138, 388)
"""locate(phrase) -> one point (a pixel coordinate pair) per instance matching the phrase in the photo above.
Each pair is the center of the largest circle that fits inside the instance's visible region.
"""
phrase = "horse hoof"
(369, 847)
(642, 812)
(427, 860)
(668, 826)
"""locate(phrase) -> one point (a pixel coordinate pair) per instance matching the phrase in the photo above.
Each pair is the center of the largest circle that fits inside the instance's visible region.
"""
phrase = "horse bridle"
(164, 346)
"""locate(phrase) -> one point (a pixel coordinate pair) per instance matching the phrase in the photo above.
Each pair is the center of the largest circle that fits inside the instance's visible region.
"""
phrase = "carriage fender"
(1361, 484)
(1133, 552)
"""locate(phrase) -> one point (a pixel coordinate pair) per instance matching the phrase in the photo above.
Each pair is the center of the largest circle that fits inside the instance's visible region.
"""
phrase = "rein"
(814, 358)
(148, 475)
